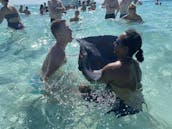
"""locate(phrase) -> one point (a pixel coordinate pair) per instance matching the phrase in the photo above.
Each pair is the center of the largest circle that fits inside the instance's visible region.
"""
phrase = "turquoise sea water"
(22, 106)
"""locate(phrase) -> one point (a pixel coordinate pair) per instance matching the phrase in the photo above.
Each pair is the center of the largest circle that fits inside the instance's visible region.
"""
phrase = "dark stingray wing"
(95, 52)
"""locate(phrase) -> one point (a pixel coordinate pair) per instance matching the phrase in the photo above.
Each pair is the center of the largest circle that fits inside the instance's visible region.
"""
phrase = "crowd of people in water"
(25, 11)
(55, 8)
(122, 76)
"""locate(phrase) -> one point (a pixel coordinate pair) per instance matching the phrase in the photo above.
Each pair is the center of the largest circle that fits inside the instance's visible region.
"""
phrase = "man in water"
(56, 8)
(92, 6)
(157, 2)
(10, 13)
(123, 7)
(112, 8)
(76, 17)
(26, 11)
(83, 6)
(21, 9)
(56, 56)
(132, 16)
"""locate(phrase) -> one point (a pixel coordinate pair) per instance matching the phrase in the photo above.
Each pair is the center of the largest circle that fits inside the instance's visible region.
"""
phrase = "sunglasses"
(117, 42)
(131, 8)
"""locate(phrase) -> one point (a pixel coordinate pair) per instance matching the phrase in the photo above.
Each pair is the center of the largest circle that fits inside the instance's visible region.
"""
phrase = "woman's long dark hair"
(133, 41)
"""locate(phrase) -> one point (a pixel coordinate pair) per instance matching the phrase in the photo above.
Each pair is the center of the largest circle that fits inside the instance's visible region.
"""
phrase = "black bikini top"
(12, 15)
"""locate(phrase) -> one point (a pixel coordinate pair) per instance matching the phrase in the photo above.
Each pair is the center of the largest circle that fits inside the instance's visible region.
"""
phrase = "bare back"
(55, 59)
(127, 74)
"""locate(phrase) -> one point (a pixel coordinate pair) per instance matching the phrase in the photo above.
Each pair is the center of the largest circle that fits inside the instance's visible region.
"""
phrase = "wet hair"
(133, 41)
(56, 25)
(6, 0)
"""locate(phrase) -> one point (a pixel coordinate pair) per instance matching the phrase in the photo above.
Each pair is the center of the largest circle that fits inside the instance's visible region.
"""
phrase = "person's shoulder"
(138, 15)
(12, 7)
(112, 70)
(75, 19)
(56, 51)
(72, 19)
(136, 63)
(113, 66)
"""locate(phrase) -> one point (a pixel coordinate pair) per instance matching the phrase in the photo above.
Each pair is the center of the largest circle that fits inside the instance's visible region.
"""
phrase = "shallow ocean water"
(22, 105)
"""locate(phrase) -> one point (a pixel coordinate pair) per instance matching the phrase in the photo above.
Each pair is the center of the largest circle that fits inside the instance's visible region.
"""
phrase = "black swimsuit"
(119, 108)
(110, 16)
(15, 25)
